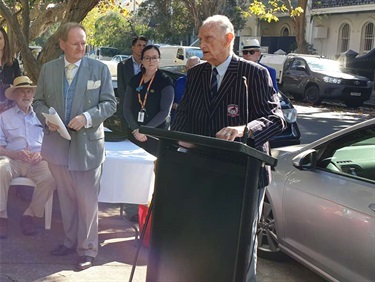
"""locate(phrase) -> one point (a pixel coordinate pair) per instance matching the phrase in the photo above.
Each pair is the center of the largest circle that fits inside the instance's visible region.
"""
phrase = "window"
(353, 155)
(284, 31)
(368, 37)
(297, 63)
(344, 37)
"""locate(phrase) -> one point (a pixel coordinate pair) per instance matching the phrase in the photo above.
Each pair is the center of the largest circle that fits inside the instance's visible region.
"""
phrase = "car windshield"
(319, 64)
(190, 52)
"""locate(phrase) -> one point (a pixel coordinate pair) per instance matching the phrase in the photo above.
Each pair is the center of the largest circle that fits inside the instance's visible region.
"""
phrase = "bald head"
(192, 61)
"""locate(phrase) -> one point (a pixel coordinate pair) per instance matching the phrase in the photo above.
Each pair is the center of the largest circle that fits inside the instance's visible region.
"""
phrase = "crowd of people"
(79, 89)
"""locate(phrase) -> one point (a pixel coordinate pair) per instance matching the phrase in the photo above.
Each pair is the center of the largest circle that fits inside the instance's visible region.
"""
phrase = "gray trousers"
(78, 196)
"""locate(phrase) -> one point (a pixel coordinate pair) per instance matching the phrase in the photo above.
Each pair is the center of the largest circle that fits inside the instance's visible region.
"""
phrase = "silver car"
(320, 207)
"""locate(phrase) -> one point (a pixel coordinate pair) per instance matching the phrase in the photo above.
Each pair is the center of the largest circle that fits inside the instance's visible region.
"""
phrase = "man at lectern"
(231, 99)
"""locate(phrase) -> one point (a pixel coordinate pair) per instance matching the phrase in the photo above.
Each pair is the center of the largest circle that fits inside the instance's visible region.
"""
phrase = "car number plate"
(355, 93)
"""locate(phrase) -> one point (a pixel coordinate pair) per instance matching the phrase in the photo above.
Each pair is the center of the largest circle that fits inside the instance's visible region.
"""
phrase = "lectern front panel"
(200, 218)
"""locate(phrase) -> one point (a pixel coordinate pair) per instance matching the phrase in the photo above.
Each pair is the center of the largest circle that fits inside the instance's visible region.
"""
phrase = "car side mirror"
(301, 68)
(180, 57)
(305, 160)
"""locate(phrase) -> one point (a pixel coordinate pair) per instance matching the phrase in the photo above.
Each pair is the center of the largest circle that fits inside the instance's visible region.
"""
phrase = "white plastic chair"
(24, 181)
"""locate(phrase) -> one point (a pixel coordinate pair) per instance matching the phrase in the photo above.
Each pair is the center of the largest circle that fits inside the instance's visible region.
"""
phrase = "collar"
(134, 61)
(18, 110)
(222, 68)
(78, 63)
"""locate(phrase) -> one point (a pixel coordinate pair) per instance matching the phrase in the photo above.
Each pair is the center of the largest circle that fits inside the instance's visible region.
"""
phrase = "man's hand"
(230, 133)
(27, 156)
(52, 126)
(35, 158)
(22, 155)
(78, 122)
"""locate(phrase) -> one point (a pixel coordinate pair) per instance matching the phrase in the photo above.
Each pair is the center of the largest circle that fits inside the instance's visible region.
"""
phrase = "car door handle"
(372, 206)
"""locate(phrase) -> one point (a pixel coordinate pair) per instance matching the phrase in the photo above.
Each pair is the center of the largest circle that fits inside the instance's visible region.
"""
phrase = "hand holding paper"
(54, 118)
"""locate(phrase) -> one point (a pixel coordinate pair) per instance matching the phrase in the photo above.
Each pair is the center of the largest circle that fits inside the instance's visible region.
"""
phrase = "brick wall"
(339, 3)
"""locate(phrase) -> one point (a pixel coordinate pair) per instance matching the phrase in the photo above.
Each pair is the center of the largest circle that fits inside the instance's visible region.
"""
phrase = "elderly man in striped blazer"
(232, 99)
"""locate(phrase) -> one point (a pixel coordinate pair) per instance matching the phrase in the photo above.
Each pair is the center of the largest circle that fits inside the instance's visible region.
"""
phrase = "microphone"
(246, 130)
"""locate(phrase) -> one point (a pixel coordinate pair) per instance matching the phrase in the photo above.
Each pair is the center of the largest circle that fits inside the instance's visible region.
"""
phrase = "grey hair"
(223, 23)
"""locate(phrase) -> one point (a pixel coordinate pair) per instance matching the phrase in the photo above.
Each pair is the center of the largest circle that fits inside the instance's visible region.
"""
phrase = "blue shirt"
(19, 131)
(179, 88)
(272, 73)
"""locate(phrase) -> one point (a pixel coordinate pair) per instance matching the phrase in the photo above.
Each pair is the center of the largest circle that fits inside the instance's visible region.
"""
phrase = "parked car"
(315, 79)
(119, 58)
(320, 206)
(290, 136)
(177, 55)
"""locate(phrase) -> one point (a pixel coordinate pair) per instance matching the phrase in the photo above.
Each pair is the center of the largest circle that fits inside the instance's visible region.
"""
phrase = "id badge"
(141, 116)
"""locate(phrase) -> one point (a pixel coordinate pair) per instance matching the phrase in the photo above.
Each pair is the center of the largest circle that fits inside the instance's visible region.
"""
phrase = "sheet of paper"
(54, 118)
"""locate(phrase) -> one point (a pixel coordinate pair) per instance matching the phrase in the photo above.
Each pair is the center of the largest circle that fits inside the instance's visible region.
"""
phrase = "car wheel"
(268, 246)
(297, 97)
(354, 104)
(312, 95)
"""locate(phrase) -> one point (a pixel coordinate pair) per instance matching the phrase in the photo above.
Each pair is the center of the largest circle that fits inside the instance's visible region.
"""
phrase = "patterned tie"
(214, 83)
(70, 73)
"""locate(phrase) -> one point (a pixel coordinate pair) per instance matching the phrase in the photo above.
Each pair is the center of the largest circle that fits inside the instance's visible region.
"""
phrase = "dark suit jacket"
(125, 71)
(198, 115)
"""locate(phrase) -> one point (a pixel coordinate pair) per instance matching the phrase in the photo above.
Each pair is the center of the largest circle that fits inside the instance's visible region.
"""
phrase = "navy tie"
(214, 83)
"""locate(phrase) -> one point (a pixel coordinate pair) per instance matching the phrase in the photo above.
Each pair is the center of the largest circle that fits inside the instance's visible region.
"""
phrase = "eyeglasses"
(251, 52)
(150, 59)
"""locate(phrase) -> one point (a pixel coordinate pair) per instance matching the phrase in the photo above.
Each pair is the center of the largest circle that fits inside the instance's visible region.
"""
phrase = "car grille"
(354, 82)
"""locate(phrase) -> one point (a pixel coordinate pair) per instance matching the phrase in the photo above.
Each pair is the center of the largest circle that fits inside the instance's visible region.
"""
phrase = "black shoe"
(61, 250)
(84, 262)
(27, 225)
(3, 228)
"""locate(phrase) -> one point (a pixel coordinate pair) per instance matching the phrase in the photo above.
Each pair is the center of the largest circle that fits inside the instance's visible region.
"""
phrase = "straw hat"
(19, 82)
(251, 44)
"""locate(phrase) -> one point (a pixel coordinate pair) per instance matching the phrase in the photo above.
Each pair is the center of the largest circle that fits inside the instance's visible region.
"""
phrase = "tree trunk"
(73, 10)
(299, 25)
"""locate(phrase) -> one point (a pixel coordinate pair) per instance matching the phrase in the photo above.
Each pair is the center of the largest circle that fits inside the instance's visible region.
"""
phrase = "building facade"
(332, 26)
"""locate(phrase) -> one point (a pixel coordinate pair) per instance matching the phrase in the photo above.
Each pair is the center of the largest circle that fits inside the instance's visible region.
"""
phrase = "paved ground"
(25, 259)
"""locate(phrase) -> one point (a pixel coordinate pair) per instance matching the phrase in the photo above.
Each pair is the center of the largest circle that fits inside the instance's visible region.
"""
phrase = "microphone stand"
(246, 129)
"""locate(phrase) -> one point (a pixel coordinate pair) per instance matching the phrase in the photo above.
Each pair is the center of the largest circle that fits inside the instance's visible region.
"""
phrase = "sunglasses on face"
(251, 52)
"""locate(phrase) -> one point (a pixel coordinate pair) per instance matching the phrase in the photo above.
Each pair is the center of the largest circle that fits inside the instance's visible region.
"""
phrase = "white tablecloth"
(128, 174)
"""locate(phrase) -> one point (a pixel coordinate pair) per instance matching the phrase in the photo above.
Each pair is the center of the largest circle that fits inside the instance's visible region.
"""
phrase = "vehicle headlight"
(329, 79)
(290, 115)
(370, 83)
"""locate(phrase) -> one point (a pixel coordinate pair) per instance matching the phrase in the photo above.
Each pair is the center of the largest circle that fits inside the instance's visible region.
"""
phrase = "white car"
(320, 206)
(119, 58)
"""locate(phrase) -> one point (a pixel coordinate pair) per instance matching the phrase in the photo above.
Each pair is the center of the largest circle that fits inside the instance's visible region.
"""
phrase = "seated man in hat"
(251, 52)
(20, 143)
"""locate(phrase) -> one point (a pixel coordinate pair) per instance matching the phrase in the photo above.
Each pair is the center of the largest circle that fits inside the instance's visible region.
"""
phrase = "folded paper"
(54, 118)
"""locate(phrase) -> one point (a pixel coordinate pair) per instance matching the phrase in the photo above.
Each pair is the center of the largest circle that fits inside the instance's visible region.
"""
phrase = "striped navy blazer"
(197, 114)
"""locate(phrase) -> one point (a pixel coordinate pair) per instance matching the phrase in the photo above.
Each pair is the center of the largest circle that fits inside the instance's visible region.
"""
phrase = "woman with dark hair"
(9, 69)
(148, 99)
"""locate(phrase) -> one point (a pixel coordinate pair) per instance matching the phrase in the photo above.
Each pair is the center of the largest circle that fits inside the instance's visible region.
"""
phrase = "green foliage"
(110, 29)
(169, 22)
(267, 11)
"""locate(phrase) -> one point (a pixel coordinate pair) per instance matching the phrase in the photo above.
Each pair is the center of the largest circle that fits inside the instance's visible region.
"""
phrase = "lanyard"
(143, 104)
